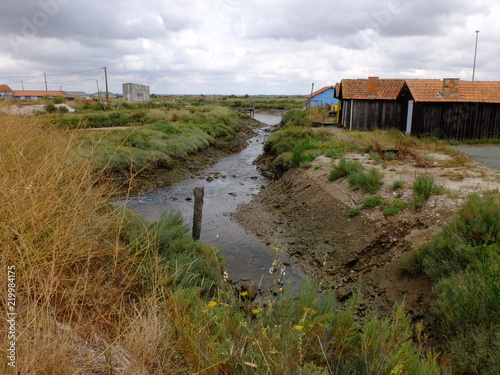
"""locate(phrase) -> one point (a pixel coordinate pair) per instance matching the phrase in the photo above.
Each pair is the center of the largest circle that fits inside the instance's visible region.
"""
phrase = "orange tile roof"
(5, 88)
(320, 91)
(428, 90)
(358, 89)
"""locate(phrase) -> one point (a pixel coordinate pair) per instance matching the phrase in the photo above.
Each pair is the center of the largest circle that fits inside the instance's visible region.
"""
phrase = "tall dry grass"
(79, 302)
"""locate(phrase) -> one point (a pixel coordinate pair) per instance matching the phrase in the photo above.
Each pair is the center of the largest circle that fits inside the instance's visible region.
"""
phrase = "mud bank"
(306, 215)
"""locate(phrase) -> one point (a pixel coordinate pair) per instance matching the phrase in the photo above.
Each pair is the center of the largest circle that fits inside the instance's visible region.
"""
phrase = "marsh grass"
(372, 201)
(165, 138)
(368, 180)
(424, 187)
(394, 207)
(343, 168)
(398, 184)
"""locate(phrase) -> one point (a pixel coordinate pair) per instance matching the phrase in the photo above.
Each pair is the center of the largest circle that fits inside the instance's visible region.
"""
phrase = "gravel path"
(488, 155)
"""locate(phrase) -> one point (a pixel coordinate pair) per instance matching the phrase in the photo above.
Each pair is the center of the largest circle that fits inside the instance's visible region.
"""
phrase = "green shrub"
(59, 99)
(470, 298)
(334, 153)
(203, 265)
(69, 121)
(418, 200)
(353, 211)
(475, 350)
(386, 345)
(285, 140)
(126, 105)
(423, 187)
(395, 207)
(373, 201)
(305, 151)
(391, 210)
(157, 115)
(463, 262)
(50, 108)
(370, 181)
(295, 117)
(163, 127)
(343, 168)
(62, 109)
(398, 184)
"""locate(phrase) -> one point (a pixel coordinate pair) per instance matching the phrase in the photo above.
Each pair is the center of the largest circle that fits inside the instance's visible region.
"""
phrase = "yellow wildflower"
(398, 370)
(212, 303)
(298, 328)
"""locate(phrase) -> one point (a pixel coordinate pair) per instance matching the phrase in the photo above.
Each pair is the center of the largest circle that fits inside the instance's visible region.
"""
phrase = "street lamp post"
(475, 53)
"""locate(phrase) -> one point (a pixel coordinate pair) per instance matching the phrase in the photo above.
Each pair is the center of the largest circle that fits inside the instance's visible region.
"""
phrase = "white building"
(136, 93)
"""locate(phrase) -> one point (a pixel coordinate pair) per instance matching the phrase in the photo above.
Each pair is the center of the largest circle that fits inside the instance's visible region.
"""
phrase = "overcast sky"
(242, 46)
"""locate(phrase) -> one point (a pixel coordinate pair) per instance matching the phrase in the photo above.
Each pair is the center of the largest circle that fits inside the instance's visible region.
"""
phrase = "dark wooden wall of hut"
(458, 121)
(373, 114)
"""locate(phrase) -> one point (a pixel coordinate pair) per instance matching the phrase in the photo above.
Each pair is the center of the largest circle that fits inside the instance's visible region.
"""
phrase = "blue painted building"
(322, 98)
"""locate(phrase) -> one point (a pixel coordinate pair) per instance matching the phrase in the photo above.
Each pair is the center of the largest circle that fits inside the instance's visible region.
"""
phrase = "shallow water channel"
(230, 182)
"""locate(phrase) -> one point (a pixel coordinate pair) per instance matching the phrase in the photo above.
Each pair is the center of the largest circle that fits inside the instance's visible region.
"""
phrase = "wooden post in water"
(198, 210)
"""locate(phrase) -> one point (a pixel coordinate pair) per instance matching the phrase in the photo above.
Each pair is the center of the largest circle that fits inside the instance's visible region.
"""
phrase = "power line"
(67, 78)
(71, 73)
(74, 82)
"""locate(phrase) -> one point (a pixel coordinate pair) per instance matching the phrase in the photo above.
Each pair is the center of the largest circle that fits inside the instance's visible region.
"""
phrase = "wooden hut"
(372, 103)
(451, 108)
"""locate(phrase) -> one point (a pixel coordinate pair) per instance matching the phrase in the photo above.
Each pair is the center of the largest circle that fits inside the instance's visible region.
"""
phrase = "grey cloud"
(100, 19)
(241, 46)
(427, 17)
(337, 20)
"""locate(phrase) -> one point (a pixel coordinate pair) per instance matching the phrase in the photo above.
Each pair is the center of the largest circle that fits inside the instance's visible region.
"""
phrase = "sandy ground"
(306, 214)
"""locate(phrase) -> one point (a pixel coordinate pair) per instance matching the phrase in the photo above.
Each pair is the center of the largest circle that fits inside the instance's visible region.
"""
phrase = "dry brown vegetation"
(74, 274)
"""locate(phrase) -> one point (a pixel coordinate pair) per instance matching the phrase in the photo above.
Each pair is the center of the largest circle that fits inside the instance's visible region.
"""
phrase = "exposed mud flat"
(306, 215)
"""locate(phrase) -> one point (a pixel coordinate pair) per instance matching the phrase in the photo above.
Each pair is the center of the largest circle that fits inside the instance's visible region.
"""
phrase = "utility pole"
(98, 92)
(45, 77)
(106, 79)
(308, 103)
(22, 85)
(475, 53)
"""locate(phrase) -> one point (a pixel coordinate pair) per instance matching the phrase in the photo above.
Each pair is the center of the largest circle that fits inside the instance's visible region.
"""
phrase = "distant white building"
(133, 92)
